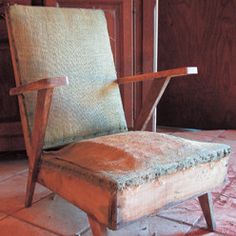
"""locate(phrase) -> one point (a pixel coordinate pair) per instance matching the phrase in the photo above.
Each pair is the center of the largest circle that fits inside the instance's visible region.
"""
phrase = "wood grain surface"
(199, 33)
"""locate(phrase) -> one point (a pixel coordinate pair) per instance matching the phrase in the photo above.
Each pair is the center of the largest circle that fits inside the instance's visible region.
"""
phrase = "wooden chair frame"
(44, 88)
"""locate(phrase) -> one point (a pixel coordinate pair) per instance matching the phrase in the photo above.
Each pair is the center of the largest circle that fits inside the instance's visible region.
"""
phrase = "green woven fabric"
(52, 42)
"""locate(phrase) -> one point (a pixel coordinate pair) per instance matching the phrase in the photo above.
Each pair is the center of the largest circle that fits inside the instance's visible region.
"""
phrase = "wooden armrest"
(156, 91)
(157, 75)
(39, 85)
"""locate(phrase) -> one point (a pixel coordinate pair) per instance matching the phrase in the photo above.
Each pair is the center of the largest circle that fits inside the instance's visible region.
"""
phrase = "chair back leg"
(97, 228)
(207, 208)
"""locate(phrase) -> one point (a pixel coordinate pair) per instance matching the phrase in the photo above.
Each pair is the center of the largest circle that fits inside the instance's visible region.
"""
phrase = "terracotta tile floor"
(51, 215)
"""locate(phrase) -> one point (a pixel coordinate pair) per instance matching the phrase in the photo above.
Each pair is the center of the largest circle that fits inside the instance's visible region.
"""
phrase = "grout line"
(35, 202)
(35, 225)
(22, 208)
(225, 195)
(174, 220)
(222, 131)
(202, 216)
(4, 217)
(28, 222)
(83, 231)
(222, 193)
(14, 175)
(194, 224)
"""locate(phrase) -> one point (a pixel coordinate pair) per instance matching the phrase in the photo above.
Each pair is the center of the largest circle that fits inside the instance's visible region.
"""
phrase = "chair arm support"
(46, 83)
(34, 139)
(157, 75)
(155, 93)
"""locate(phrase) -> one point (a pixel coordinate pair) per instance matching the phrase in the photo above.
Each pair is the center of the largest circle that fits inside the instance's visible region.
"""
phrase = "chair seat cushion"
(132, 158)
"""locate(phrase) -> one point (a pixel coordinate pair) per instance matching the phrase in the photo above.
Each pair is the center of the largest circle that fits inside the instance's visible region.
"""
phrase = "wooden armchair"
(115, 176)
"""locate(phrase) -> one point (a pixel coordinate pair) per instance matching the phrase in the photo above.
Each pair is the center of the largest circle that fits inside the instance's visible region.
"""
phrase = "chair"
(76, 137)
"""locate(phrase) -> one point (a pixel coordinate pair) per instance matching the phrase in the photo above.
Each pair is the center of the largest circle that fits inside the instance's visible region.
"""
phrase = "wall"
(200, 33)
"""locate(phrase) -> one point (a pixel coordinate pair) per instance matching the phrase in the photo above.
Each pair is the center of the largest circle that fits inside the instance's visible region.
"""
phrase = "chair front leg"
(207, 208)
(97, 228)
(44, 99)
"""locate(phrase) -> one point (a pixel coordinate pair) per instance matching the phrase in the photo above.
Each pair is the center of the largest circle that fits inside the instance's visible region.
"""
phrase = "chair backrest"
(52, 42)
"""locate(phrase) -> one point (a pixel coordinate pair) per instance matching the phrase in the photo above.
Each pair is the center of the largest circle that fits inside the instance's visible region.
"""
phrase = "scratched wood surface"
(199, 33)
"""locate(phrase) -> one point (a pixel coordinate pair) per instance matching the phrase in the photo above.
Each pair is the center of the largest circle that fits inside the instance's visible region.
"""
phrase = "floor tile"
(194, 136)
(169, 130)
(12, 193)
(228, 134)
(151, 226)
(139, 228)
(11, 227)
(160, 226)
(2, 215)
(232, 163)
(231, 173)
(55, 214)
(231, 143)
(225, 214)
(11, 167)
(187, 212)
(210, 133)
(230, 190)
(201, 232)
(219, 190)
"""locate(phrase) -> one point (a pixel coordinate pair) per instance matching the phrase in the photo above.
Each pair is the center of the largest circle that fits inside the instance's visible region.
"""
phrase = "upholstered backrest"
(51, 42)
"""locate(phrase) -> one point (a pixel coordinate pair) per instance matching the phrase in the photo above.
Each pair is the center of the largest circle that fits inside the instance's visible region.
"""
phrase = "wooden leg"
(30, 189)
(53, 196)
(97, 228)
(207, 208)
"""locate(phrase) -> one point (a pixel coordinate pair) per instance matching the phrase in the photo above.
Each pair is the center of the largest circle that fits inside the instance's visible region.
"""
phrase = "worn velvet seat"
(134, 163)
(114, 175)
